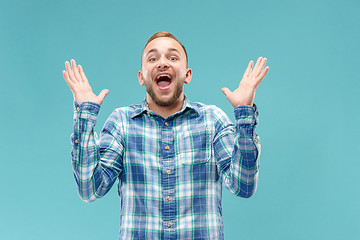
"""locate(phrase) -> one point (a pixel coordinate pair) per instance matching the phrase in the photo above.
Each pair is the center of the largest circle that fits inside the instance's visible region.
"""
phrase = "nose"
(163, 63)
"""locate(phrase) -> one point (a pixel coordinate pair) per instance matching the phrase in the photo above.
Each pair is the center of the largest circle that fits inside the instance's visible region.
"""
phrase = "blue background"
(308, 103)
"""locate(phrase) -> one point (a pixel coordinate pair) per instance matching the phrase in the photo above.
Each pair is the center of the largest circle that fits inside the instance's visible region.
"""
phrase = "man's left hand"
(245, 93)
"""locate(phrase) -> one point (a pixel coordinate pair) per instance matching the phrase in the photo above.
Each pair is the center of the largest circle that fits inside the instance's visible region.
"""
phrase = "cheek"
(182, 72)
(145, 73)
(147, 70)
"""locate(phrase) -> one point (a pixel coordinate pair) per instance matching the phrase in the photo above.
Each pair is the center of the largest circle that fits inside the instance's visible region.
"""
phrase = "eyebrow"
(169, 49)
(173, 50)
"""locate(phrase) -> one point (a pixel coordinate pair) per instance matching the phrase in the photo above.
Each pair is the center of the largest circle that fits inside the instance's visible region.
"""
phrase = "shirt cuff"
(245, 114)
(86, 110)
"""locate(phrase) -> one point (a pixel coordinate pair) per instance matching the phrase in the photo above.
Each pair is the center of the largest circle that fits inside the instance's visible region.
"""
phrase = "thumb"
(103, 94)
(226, 91)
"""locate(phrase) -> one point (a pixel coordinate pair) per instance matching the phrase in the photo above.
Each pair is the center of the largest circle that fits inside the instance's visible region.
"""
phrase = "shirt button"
(166, 124)
(168, 172)
(167, 147)
(169, 224)
(77, 141)
(168, 198)
(78, 108)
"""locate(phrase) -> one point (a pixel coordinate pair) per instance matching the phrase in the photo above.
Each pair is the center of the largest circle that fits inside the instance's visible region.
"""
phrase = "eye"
(152, 59)
(173, 58)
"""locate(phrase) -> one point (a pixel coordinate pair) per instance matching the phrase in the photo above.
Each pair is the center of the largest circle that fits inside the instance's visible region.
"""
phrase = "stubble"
(175, 97)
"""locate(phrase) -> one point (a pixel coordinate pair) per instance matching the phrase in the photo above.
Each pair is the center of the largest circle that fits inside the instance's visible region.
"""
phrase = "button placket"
(169, 209)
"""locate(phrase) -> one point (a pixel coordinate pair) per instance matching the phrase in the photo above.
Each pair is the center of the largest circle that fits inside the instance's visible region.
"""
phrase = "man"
(169, 155)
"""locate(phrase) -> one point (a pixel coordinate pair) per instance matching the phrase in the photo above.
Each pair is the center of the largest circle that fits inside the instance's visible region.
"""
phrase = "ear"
(141, 78)
(188, 76)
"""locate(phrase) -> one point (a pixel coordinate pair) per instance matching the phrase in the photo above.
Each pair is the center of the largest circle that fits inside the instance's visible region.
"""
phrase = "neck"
(165, 111)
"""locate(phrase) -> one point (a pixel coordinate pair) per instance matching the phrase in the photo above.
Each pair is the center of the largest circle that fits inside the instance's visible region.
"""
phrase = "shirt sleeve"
(96, 161)
(237, 150)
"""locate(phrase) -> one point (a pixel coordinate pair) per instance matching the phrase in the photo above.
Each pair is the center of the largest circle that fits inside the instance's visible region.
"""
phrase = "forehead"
(163, 44)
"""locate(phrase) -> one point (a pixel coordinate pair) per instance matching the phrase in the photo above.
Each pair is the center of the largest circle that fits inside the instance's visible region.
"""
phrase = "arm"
(96, 163)
(237, 150)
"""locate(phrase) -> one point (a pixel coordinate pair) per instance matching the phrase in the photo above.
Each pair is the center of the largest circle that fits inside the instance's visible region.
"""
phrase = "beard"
(173, 99)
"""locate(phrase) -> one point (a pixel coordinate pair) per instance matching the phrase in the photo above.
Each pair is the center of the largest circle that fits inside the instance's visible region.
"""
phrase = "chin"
(166, 101)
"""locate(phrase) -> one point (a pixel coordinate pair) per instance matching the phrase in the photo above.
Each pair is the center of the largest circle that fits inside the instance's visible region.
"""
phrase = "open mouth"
(163, 81)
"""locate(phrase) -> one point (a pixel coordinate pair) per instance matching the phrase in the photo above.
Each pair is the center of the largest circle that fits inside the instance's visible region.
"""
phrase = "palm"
(79, 85)
(245, 93)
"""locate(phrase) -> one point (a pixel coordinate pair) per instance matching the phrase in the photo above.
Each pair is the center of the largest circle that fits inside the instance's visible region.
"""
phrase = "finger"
(68, 80)
(262, 75)
(248, 69)
(75, 70)
(226, 91)
(82, 74)
(103, 94)
(258, 62)
(69, 71)
(261, 67)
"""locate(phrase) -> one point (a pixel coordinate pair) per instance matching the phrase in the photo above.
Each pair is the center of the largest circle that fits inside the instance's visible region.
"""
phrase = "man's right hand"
(79, 85)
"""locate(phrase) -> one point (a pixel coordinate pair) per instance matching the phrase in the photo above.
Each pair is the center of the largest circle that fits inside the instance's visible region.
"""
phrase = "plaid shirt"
(170, 171)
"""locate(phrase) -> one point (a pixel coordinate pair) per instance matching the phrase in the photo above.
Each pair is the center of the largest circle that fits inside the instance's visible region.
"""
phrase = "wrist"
(246, 114)
(86, 108)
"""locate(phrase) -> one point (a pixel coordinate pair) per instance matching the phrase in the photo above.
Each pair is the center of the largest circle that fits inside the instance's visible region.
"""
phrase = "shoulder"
(124, 114)
(215, 118)
(128, 111)
(211, 110)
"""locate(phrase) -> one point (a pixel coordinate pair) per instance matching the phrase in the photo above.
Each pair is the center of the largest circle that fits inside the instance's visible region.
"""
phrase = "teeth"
(163, 75)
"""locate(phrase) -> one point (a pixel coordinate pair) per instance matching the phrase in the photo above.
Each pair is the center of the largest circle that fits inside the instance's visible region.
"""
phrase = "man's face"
(164, 72)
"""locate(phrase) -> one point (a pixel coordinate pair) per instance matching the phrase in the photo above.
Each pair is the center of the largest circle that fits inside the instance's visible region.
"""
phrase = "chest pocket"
(194, 146)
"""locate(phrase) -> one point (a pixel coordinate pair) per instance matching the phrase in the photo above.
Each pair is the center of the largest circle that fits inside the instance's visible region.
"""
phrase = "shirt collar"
(143, 108)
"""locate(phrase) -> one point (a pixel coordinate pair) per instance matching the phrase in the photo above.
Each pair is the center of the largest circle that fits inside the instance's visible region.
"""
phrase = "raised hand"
(79, 85)
(245, 93)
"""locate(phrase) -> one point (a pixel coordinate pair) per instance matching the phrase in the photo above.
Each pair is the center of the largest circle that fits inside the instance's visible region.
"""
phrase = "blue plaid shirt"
(170, 171)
